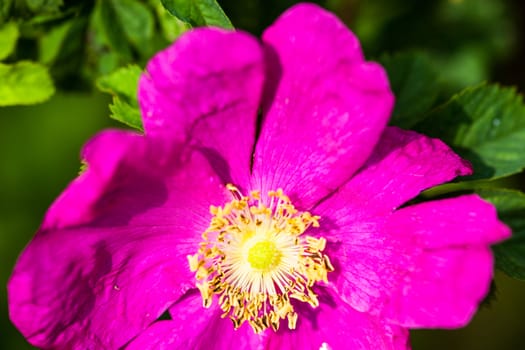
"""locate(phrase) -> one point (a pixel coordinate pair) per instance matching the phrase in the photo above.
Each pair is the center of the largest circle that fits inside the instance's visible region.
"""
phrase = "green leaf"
(171, 26)
(5, 9)
(24, 83)
(198, 12)
(136, 21)
(50, 43)
(8, 36)
(126, 113)
(484, 124)
(63, 50)
(415, 85)
(510, 255)
(107, 62)
(123, 84)
(128, 28)
(44, 5)
(113, 32)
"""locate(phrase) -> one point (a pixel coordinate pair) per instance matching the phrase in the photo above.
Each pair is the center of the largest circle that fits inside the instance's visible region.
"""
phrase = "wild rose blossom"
(290, 235)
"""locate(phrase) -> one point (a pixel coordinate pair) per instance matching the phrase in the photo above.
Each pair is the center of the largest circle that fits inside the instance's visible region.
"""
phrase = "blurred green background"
(468, 41)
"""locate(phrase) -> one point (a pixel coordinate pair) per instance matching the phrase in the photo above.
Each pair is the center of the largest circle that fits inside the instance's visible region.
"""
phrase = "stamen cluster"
(255, 258)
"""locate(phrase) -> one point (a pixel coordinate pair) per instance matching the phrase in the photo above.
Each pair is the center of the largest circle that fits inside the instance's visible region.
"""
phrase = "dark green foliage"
(77, 41)
(484, 124)
(415, 85)
(198, 12)
(510, 255)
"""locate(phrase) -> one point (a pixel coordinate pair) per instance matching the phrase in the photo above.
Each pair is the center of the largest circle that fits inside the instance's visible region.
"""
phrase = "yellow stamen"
(255, 258)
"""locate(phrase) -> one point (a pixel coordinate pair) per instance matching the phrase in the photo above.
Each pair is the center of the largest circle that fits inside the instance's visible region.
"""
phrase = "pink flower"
(295, 231)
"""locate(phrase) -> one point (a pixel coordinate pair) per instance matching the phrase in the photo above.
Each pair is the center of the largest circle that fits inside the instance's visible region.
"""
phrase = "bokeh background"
(468, 41)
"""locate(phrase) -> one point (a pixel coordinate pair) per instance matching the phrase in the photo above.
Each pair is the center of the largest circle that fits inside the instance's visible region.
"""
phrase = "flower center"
(255, 258)
(264, 256)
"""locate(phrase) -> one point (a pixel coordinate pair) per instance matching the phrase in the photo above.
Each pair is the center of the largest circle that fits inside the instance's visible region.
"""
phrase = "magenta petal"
(378, 260)
(140, 180)
(402, 165)
(162, 335)
(98, 284)
(194, 327)
(368, 262)
(94, 288)
(459, 221)
(102, 155)
(452, 272)
(369, 256)
(206, 89)
(443, 288)
(336, 326)
(324, 106)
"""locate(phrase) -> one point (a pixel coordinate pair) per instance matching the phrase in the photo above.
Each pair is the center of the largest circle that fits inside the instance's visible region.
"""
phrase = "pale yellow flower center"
(255, 258)
(264, 256)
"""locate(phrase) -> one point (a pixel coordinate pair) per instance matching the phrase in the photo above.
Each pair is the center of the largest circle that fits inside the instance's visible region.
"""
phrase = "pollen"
(254, 259)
